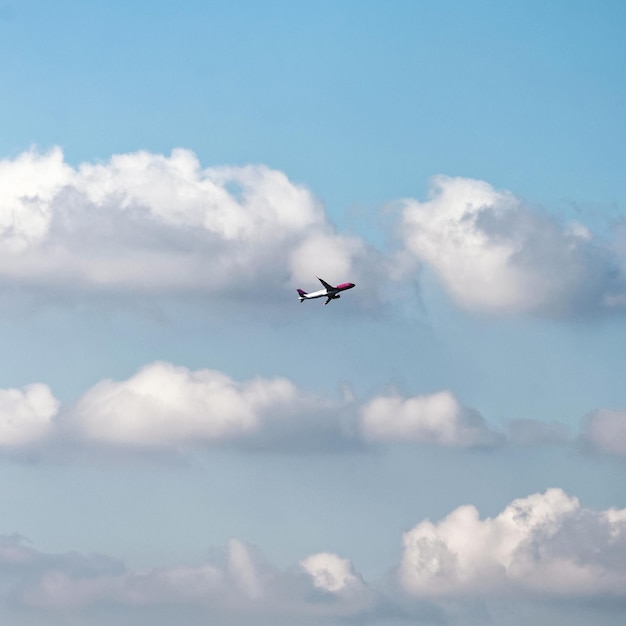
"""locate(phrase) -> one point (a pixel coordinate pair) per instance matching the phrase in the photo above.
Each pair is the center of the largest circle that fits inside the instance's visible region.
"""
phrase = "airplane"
(329, 292)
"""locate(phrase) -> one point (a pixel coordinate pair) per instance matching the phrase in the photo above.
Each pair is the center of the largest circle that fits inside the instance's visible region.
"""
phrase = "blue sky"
(181, 441)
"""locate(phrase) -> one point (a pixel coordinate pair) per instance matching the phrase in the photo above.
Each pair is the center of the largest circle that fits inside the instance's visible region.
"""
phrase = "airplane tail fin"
(301, 294)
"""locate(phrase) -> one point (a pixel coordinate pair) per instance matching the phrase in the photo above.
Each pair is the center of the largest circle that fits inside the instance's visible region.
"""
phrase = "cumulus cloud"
(329, 572)
(494, 253)
(26, 415)
(604, 430)
(545, 544)
(164, 405)
(155, 224)
(438, 418)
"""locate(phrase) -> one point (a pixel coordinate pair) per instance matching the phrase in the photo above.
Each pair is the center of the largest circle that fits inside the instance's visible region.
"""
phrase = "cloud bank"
(163, 406)
(153, 224)
(494, 253)
(145, 223)
(544, 546)
(167, 407)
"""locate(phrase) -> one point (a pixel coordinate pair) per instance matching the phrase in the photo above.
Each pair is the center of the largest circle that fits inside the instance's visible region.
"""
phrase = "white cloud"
(150, 223)
(28, 186)
(437, 418)
(329, 572)
(545, 544)
(26, 415)
(164, 405)
(326, 255)
(605, 431)
(494, 253)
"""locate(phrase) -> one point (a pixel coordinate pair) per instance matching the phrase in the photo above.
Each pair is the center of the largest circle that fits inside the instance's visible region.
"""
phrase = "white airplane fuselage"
(316, 294)
(329, 292)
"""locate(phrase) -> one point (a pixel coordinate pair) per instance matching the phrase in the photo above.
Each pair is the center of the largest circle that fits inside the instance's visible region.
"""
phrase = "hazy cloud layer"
(237, 582)
(545, 544)
(537, 432)
(604, 431)
(493, 252)
(150, 223)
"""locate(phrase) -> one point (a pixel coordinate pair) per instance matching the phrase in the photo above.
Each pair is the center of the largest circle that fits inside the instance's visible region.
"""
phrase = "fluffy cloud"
(156, 224)
(26, 415)
(604, 430)
(333, 574)
(28, 186)
(494, 253)
(164, 405)
(545, 544)
(437, 418)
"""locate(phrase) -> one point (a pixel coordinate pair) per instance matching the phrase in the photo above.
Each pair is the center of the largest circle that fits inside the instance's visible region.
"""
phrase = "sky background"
(182, 442)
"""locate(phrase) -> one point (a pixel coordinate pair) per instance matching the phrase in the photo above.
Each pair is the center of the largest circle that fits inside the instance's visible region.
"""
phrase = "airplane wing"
(325, 283)
(328, 299)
